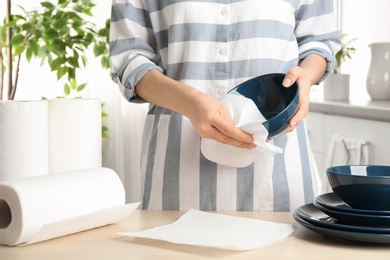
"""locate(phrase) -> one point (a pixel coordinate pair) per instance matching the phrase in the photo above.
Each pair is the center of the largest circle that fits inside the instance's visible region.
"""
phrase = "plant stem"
(9, 51)
(15, 83)
(1, 75)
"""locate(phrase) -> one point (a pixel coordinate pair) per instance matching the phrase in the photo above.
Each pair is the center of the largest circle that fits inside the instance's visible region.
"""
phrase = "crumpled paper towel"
(249, 119)
(206, 229)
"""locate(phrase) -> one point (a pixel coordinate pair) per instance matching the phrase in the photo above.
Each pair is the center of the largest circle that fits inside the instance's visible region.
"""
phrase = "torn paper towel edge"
(206, 229)
(248, 118)
(83, 223)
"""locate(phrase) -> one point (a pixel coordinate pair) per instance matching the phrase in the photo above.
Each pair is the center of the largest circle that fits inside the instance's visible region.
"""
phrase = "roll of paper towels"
(75, 135)
(43, 207)
(23, 139)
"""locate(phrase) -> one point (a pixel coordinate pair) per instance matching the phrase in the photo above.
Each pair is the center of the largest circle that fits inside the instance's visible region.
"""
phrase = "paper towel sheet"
(75, 134)
(200, 228)
(23, 139)
(249, 119)
(39, 204)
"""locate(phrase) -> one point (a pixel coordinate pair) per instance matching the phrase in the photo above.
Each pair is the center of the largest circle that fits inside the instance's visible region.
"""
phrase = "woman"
(182, 57)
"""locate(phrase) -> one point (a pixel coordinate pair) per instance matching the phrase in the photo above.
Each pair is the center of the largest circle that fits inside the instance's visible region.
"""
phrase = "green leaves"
(345, 53)
(17, 39)
(47, 5)
(60, 35)
(33, 46)
(73, 89)
(19, 50)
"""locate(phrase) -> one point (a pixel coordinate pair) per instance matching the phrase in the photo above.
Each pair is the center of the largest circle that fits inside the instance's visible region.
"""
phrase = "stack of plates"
(330, 216)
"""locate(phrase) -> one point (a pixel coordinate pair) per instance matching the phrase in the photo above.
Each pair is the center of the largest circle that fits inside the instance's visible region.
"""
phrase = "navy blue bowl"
(361, 186)
(275, 102)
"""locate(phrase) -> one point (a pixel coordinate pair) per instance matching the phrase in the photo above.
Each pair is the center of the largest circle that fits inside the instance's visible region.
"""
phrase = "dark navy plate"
(350, 236)
(315, 216)
(333, 202)
(356, 218)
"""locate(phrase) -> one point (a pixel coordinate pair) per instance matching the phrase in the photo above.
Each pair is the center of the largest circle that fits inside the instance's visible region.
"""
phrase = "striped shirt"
(214, 45)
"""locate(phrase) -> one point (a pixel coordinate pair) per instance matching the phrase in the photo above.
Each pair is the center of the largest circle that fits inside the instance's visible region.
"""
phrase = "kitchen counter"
(106, 243)
(363, 109)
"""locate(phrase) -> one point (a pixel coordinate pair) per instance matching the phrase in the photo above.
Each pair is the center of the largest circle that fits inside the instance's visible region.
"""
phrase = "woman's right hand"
(212, 120)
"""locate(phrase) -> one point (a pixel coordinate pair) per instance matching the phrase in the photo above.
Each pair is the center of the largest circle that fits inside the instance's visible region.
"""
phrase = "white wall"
(368, 21)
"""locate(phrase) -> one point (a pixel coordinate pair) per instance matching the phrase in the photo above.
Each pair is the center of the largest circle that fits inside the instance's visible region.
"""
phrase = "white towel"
(345, 150)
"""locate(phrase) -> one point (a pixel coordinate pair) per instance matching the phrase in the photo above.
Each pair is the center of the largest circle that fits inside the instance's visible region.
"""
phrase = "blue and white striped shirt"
(214, 45)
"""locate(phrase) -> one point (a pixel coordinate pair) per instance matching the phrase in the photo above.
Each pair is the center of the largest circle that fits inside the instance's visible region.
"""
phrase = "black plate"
(315, 216)
(332, 202)
(356, 218)
(351, 236)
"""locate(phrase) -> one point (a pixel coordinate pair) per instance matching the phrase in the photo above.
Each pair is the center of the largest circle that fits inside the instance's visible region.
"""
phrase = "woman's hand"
(308, 73)
(212, 120)
(296, 74)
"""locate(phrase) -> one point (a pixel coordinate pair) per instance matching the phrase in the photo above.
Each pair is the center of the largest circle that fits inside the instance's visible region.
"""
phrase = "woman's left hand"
(309, 72)
(296, 74)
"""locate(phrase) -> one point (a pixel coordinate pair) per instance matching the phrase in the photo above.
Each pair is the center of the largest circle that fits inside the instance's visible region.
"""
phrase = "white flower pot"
(336, 87)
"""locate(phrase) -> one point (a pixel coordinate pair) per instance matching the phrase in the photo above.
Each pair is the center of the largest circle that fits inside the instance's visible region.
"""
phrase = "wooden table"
(106, 243)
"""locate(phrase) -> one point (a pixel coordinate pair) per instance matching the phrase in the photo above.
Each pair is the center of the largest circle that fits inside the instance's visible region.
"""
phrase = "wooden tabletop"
(106, 243)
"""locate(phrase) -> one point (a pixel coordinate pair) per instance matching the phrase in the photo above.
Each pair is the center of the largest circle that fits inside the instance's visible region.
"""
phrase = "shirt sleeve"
(316, 31)
(132, 45)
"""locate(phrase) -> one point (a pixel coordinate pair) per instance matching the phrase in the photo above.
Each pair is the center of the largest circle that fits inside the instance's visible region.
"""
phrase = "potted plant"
(57, 34)
(336, 85)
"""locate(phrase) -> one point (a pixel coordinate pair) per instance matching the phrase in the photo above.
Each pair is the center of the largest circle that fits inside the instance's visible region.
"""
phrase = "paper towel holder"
(276, 103)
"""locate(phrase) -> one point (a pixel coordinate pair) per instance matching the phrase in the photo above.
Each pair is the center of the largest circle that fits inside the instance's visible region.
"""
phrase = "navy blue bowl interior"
(275, 102)
(360, 186)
